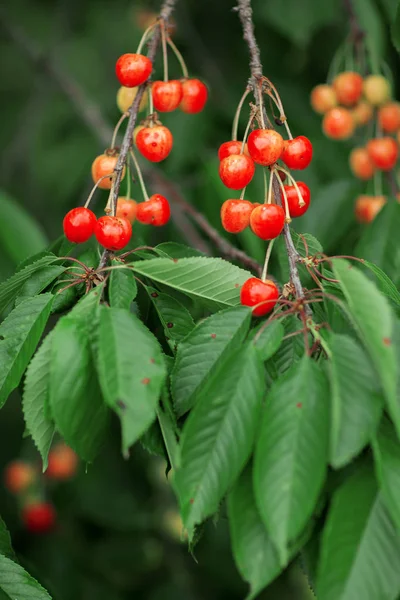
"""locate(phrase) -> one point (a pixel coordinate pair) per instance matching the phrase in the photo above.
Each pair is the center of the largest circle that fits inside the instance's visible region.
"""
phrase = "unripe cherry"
(383, 152)
(338, 124)
(126, 208)
(154, 143)
(19, 476)
(348, 87)
(105, 165)
(376, 89)
(265, 146)
(267, 221)
(296, 207)
(323, 98)
(113, 233)
(136, 131)
(155, 211)
(389, 117)
(38, 517)
(235, 215)
(362, 113)
(361, 164)
(194, 96)
(231, 147)
(236, 171)
(63, 463)
(167, 95)
(133, 69)
(297, 153)
(367, 207)
(261, 294)
(126, 96)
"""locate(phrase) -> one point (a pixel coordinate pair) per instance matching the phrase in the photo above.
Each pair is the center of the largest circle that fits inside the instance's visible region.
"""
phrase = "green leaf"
(175, 250)
(360, 552)
(131, 371)
(290, 458)
(254, 553)
(20, 333)
(385, 284)
(39, 281)
(17, 584)
(5, 542)
(370, 21)
(212, 281)
(290, 351)
(210, 343)
(122, 288)
(267, 339)
(20, 235)
(387, 463)
(396, 30)
(176, 319)
(372, 317)
(355, 399)
(218, 435)
(36, 398)
(10, 289)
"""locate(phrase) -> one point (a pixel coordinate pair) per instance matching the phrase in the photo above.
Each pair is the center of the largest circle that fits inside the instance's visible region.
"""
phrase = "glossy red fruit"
(133, 69)
(338, 123)
(78, 224)
(235, 215)
(267, 221)
(231, 147)
(19, 476)
(62, 464)
(104, 165)
(261, 294)
(155, 211)
(126, 208)
(265, 146)
(236, 171)
(323, 98)
(297, 153)
(154, 143)
(361, 164)
(38, 517)
(167, 95)
(194, 96)
(383, 152)
(293, 199)
(389, 117)
(348, 87)
(367, 207)
(113, 233)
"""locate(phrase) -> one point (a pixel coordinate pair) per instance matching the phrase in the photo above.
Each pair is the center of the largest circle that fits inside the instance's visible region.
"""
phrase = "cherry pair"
(379, 153)
(265, 220)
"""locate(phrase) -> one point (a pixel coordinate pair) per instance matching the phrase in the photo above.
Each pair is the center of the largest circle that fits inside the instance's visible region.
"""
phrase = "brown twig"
(357, 34)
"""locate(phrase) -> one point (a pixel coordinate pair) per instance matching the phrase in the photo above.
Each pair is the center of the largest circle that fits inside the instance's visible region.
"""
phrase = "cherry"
(155, 211)
(19, 476)
(348, 87)
(126, 207)
(361, 164)
(236, 171)
(136, 131)
(194, 97)
(126, 96)
(367, 207)
(267, 221)
(62, 464)
(323, 98)
(167, 95)
(39, 517)
(79, 224)
(113, 233)
(235, 215)
(265, 146)
(133, 69)
(104, 165)
(231, 147)
(154, 143)
(338, 124)
(376, 89)
(255, 291)
(389, 117)
(297, 153)
(383, 152)
(362, 113)
(293, 199)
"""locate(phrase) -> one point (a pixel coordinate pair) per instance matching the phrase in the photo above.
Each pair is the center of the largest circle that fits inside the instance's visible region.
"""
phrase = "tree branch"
(356, 31)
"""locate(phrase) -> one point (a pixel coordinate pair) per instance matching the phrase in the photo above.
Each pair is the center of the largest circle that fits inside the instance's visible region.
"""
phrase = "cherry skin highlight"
(293, 199)
(348, 87)
(18, 476)
(167, 95)
(297, 153)
(39, 517)
(338, 124)
(236, 171)
(383, 152)
(194, 96)
(267, 221)
(255, 291)
(156, 211)
(79, 224)
(133, 69)
(235, 215)
(154, 143)
(361, 164)
(113, 233)
(231, 147)
(265, 146)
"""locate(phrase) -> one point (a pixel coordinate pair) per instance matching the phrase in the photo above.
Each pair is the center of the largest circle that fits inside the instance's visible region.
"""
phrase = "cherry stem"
(94, 188)
(261, 105)
(270, 187)
(151, 105)
(266, 189)
(267, 257)
(246, 133)
(285, 200)
(293, 182)
(164, 49)
(378, 183)
(144, 37)
(128, 181)
(318, 338)
(140, 176)
(242, 193)
(179, 56)
(273, 93)
(116, 129)
(235, 123)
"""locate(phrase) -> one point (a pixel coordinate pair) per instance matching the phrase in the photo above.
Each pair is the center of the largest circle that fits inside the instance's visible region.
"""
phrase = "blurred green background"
(118, 535)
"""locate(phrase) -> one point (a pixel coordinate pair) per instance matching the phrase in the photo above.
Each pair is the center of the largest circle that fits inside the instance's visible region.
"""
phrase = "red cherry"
(323, 98)
(389, 117)
(194, 97)
(104, 165)
(79, 224)
(133, 69)
(348, 87)
(39, 517)
(235, 215)
(297, 153)
(167, 95)
(236, 171)
(155, 211)
(265, 146)
(338, 123)
(255, 291)
(367, 207)
(293, 199)
(267, 221)
(63, 462)
(383, 152)
(126, 208)
(18, 476)
(361, 164)
(113, 233)
(154, 143)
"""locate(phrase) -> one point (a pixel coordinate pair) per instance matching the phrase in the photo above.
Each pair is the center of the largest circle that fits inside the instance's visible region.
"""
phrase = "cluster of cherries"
(24, 480)
(353, 101)
(153, 141)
